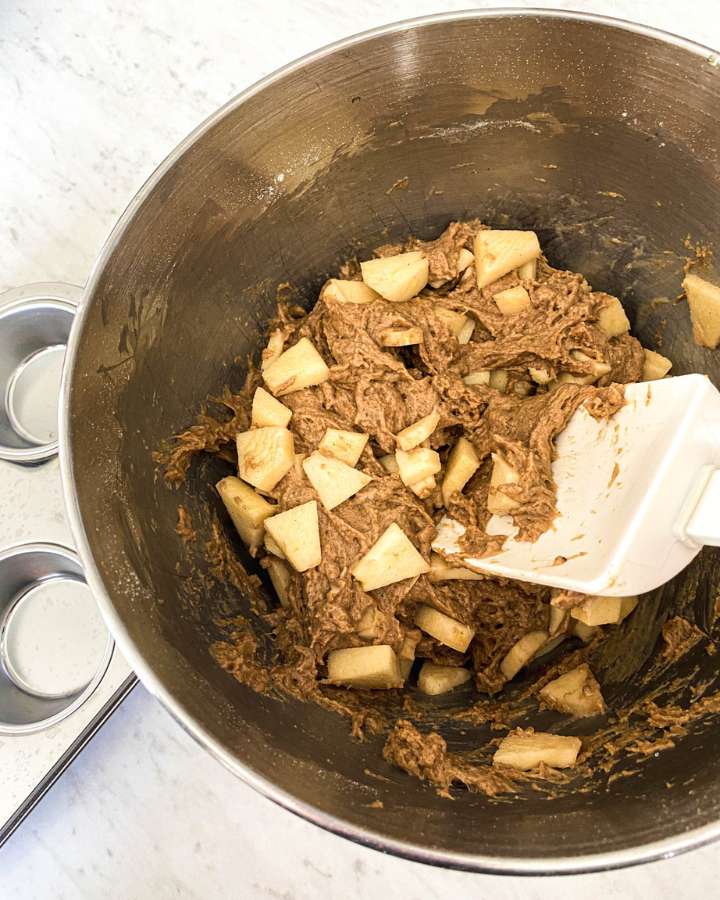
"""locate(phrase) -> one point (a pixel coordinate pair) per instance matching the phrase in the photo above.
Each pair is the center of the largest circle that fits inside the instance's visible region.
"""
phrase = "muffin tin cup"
(54, 646)
(35, 323)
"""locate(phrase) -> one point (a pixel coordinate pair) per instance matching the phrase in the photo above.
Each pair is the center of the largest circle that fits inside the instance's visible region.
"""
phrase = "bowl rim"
(563, 865)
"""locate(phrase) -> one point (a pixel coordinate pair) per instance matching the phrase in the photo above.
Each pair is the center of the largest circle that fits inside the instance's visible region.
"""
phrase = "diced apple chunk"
(334, 481)
(347, 446)
(585, 632)
(247, 509)
(526, 750)
(409, 645)
(499, 380)
(265, 455)
(570, 378)
(451, 318)
(401, 337)
(503, 473)
(540, 376)
(462, 464)
(419, 431)
(521, 652)
(441, 571)
(462, 326)
(367, 627)
(391, 558)
(612, 319)
(443, 628)
(550, 645)
(417, 465)
(299, 367)
(481, 377)
(576, 693)
(704, 302)
(280, 576)
(499, 252)
(266, 410)
(406, 656)
(272, 547)
(466, 332)
(558, 620)
(424, 488)
(604, 610)
(274, 348)
(565, 599)
(434, 679)
(527, 271)
(512, 301)
(297, 533)
(370, 668)
(389, 463)
(655, 366)
(599, 368)
(348, 291)
(397, 278)
(465, 259)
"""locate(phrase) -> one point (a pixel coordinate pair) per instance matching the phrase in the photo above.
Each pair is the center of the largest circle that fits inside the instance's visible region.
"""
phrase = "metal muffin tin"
(61, 675)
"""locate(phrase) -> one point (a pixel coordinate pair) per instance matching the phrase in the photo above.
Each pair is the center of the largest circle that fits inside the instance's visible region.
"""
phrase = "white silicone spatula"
(626, 530)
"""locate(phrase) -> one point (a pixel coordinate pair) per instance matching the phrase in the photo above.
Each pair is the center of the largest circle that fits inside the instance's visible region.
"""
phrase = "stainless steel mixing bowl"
(602, 136)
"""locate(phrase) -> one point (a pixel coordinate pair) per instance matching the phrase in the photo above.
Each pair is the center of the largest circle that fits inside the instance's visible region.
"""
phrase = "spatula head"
(623, 489)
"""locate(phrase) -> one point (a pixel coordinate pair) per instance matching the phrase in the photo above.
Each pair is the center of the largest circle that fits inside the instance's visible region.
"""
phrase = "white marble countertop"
(93, 94)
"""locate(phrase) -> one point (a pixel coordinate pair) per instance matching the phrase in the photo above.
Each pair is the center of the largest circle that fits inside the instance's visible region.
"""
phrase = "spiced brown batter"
(380, 390)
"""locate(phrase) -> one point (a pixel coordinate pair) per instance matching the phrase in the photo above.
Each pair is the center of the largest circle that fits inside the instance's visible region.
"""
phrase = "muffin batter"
(502, 366)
